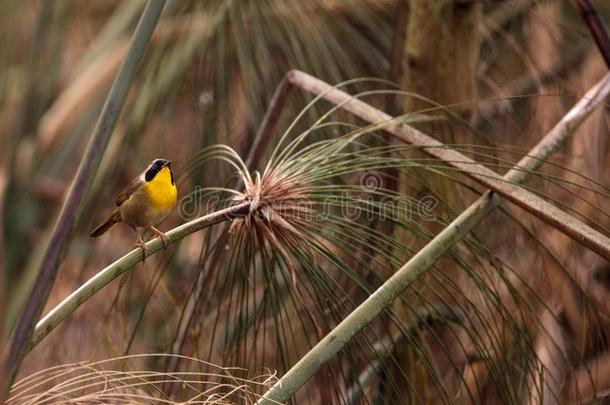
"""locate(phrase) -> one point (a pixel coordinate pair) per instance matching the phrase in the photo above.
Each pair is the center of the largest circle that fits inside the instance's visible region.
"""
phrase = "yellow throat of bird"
(161, 191)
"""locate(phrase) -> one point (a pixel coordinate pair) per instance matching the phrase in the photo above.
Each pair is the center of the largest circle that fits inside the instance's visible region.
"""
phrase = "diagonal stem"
(68, 215)
(596, 26)
(268, 124)
(378, 301)
(580, 232)
(298, 375)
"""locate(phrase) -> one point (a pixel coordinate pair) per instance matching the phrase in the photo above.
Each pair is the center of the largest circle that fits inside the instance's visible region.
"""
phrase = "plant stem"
(298, 375)
(268, 124)
(596, 26)
(3, 278)
(547, 212)
(124, 264)
(67, 219)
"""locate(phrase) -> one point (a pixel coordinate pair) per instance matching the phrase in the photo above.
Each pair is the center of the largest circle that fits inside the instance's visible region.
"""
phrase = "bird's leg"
(161, 235)
(141, 244)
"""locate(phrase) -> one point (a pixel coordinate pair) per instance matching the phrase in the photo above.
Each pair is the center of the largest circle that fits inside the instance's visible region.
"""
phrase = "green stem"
(67, 219)
(121, 266)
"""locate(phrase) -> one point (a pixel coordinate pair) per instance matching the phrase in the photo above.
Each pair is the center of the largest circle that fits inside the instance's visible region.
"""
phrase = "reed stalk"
(68, 215)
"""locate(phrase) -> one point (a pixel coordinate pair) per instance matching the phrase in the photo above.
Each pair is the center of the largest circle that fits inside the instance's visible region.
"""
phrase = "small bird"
(145, 202)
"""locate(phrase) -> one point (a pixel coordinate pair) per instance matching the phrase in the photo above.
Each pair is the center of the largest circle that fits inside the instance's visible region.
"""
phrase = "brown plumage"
(112, 220)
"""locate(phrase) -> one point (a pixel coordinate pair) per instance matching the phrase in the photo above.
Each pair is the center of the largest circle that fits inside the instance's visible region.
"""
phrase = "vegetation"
(380, 201)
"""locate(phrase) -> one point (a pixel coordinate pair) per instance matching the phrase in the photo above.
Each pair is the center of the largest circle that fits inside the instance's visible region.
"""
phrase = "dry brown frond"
(113, 382)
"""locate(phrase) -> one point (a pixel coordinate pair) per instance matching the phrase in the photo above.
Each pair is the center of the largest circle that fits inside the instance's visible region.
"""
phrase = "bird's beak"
(168, 163)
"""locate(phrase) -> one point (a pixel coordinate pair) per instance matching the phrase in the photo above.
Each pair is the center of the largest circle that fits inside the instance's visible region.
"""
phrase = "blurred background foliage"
(502, 319)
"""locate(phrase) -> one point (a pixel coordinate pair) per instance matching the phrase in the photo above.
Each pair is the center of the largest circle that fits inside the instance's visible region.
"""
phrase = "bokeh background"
(490, 78)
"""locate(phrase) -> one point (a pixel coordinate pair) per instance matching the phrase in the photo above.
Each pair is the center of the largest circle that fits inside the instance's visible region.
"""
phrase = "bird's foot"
(142, 245)
(164, 238)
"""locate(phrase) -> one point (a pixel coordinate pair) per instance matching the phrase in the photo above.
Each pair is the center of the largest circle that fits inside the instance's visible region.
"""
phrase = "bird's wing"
(128, 191)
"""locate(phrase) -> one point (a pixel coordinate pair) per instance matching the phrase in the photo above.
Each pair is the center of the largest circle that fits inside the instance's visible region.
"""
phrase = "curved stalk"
(68, 215)
(122, 265)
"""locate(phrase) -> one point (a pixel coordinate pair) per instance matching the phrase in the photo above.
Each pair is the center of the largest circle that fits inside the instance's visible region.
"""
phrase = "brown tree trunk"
(442, 54)
(440, 64)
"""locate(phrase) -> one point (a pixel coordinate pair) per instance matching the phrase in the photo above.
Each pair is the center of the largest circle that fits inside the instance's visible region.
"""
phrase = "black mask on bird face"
(155, 167)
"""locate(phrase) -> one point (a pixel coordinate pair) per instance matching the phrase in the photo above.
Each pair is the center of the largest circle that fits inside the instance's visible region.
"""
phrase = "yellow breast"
(161, 192)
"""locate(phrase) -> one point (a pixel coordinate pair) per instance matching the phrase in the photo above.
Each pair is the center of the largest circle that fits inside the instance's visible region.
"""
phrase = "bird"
(146, 201)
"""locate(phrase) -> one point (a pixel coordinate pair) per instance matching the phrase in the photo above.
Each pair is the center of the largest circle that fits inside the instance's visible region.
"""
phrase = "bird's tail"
(111, 221)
